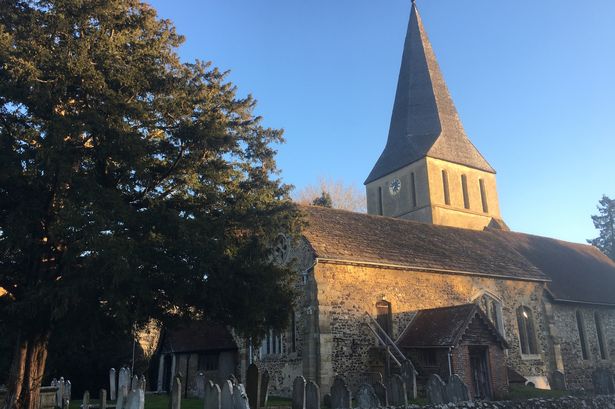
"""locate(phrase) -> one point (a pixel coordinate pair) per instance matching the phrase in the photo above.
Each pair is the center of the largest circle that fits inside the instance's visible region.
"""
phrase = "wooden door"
(480, 372)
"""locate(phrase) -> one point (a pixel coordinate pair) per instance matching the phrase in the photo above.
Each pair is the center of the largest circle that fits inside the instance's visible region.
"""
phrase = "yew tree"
(131, 184)
(604, 222)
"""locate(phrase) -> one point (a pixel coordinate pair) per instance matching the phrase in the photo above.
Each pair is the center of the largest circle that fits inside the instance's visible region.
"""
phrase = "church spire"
(424, 120)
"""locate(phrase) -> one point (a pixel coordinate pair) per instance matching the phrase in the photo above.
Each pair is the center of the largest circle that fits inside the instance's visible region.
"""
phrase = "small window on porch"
(527, 331)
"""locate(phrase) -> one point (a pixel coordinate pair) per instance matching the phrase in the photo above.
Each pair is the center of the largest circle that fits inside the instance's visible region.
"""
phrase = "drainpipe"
(450, 364)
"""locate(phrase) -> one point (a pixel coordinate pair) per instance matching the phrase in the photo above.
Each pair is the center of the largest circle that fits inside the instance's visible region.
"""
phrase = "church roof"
(358, 237)
(424, 120)
(574, 272)
(445, 327)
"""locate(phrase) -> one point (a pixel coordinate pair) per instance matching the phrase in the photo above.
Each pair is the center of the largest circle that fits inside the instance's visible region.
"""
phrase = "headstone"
(312, 396)
(136, 399)
(60, 393)
(558, 381)
(112, 384)
(340, 394)
(240, 398)
(134, 384)
(233, 379)
(398, 395)
(366, 397)
(381, 392)
(102, 396)
(253, 387)
(121, 398)
(67, 393)
(435, 390)
(143, 383)
(408, 374)
(85, 403)
(298, 397)
(200, 385)
(603, 382)
(264, 393)
(226, 395)
(123, 384)
(456, 390)
(212, 396)
(176, 393)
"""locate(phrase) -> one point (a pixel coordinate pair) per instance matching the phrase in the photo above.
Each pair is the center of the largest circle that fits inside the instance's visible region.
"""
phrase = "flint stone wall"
(597, 402)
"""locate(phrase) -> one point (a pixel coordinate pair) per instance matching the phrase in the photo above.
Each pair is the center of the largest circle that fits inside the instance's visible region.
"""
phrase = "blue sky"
(533, 81)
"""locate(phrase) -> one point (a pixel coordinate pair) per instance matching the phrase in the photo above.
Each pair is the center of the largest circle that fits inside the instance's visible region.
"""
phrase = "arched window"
(492, 309)
(582, 335)
(604, 353)
(384, 316)
(527, 331)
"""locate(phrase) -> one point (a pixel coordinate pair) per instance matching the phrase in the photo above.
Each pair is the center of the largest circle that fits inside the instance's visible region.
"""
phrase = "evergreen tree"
(604, 221)
(132, 185)
(324, 200)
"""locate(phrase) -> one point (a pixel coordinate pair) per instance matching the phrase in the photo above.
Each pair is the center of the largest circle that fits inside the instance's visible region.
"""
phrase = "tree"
(324, 200)
(604, 221)
(132, 185)
(343, 196)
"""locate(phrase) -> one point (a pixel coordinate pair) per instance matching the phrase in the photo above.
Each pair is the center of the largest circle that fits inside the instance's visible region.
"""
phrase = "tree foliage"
(324, 200)
(342, 195)
(604, 222)
(131, 184)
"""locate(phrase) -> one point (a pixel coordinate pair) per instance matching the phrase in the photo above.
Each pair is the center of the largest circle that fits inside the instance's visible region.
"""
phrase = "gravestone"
(558, 381)
(68, 388)
(312, 396)
(123, 384)
(134, 383)
(264, 393)
(212, 396)
(60, 393)
(408, 374)
(435, 390)
(240, 398)
(381, 392)
(200, 385)
(298, 397)
(233, 379)
(340, 394)
(603, 382)
(253, 387)
(397, 391)
(102, 396)
(226, 395)
(366, 397)
(121, 398)
(112, 384)
(142, 383)
(85, 403)
(136, 400)
(176, 393)
(456, 390)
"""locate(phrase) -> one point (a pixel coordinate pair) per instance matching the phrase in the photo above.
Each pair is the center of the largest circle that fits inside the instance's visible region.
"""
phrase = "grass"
(519, 392)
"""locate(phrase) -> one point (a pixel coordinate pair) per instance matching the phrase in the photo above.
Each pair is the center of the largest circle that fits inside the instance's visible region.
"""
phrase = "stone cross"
(240, 398)
(264, 393)
(226, 395)
(102, 396)
(176, 393)
(298, 396)
(212, 396)
(253, 387)
(112, 384)
(456, 390)
(366, 397)
(312, 396)
(435, 390)
(340, 394)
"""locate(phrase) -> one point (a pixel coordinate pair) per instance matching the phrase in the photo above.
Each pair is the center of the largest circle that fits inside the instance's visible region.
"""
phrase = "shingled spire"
(424, 121)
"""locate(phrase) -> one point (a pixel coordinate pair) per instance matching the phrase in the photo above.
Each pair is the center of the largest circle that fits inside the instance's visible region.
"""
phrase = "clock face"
(395, 186)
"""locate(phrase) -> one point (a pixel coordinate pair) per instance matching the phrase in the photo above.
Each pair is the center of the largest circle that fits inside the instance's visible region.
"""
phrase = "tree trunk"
(26, 373)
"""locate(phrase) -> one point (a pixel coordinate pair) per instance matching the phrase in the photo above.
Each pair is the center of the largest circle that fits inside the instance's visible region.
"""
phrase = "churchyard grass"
(153, 401)
(519, 392)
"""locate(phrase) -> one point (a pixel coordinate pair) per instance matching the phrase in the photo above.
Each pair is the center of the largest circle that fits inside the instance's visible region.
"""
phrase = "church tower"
(429, 170)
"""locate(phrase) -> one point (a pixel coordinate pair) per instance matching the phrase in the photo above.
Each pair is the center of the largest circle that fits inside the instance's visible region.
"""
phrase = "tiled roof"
(342, 235)
(197, 336)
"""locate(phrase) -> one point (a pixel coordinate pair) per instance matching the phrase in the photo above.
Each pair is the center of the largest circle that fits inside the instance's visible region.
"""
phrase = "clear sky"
(533, 81)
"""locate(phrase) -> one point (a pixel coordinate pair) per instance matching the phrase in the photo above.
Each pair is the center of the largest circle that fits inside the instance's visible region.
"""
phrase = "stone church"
(431, 274)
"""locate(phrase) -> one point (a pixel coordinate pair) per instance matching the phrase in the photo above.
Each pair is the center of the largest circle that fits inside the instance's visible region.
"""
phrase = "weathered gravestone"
(456, 390)
(340, 394)
(366, 397)
(112, 384)
(102, 396)
(176, 393)
(264, 393)
(60, 393)
(240, 398)
(68, 388)
(233, 379)
(298, 401)
(603, 382)
(123, 384)
(136, 399)
(212, 396)
(312, 396)
(435, 390)
(397, 391)
(143, 383)
(85, 403)
(253, 386)
(226, 395)
(200, 385)
(408, 374)
(381, 392)
(134, 384)
(558, 381)
(121, 398)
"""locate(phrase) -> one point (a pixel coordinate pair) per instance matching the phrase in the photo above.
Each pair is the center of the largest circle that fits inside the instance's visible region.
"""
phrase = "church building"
(431, 275)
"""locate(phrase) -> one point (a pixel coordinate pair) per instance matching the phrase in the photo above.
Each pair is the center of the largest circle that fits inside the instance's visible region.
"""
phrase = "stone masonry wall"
(578, 371)
(569, 402)
(346, 292)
